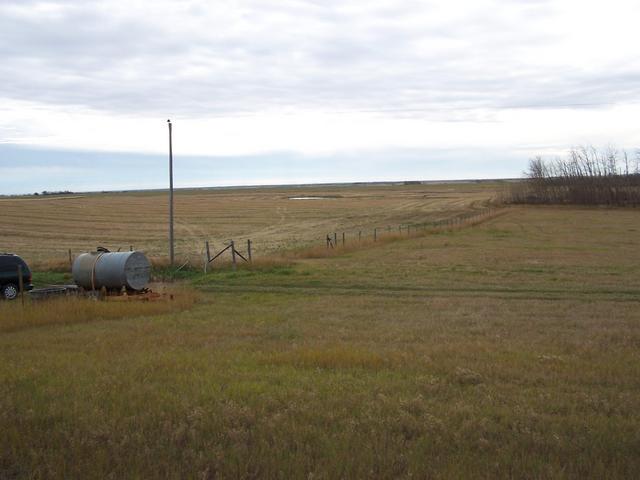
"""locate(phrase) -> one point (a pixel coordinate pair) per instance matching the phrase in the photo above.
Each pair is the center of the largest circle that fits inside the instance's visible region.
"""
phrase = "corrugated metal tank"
(111, 270)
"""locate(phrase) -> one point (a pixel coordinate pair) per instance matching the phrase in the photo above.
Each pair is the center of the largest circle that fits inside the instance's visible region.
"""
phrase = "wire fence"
(335, 239)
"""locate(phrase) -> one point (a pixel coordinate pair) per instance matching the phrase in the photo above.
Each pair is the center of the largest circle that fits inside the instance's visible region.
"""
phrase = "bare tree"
(586, 176)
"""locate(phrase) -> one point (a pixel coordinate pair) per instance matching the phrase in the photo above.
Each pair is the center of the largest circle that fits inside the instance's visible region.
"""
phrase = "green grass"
(457, 355)
(45, 278)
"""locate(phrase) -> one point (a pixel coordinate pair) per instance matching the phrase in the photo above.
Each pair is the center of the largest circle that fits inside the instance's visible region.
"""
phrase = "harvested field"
(44, 228)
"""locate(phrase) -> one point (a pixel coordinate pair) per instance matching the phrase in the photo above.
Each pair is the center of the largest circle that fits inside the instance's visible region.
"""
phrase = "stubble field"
(45, 227)
(508, 349)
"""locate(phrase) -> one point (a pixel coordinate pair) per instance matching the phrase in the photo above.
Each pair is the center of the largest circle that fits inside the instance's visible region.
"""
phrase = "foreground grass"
(509, 350)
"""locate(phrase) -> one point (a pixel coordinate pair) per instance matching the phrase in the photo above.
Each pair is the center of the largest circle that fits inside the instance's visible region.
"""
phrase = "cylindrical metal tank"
(111, 270)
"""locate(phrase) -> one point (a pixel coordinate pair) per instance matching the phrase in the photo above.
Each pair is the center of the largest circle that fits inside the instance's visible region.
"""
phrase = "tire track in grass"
(394, 291)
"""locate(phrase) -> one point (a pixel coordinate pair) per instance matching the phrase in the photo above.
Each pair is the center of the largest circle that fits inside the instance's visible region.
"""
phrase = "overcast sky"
(283, 91)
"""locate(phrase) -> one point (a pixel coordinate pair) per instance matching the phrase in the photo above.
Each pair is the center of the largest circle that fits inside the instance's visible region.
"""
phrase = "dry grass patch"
(61, 311)
(58, 265)
(336, 357)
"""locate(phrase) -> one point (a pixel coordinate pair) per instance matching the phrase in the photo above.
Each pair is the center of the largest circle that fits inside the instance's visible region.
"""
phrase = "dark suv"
(9, 281)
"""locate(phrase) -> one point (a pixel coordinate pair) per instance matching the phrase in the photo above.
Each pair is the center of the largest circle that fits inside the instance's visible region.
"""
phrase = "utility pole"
(171, 253)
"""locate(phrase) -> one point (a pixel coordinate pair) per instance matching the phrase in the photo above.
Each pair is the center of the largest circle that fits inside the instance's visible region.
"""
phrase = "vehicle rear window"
(10, 263)
(6, 262)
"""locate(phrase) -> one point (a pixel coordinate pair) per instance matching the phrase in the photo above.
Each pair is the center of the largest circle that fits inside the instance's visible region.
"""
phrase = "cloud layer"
(201, 58)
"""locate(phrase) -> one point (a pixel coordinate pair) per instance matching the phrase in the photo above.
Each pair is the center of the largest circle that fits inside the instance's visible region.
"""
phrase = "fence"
(408, 229)
(234, 254)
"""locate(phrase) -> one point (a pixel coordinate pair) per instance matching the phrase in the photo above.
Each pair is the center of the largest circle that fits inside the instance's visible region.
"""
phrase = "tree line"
(587, 176)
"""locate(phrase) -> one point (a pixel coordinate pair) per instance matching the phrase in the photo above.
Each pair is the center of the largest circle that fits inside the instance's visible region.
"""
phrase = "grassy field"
(44, 228)
(509, 349)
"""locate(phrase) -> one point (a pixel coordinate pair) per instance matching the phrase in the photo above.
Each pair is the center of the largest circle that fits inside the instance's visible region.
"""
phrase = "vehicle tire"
(9, 291)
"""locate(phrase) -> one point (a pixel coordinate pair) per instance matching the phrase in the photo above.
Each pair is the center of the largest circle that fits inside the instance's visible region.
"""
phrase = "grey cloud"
(269, 55)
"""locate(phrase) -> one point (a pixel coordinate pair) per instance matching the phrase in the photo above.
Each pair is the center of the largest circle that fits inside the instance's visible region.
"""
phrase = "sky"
(286, 91)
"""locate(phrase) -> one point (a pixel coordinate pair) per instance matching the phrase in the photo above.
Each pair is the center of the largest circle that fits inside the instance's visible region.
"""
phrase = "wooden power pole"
(171, 251)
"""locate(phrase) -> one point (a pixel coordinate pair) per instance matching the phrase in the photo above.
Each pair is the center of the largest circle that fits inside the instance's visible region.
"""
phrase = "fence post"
(328, 241)
(375, 234)
(70, 259)
(335, 239)
(21, 284)
(233, 255)
(343, 239)
(249, 249)
(359, 235)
